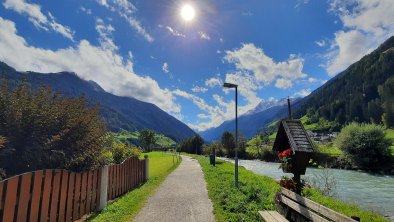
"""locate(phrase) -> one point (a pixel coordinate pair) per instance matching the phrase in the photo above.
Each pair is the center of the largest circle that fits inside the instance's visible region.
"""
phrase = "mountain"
(248, 125)
(118, 112)
(264, 105)
(357, 94)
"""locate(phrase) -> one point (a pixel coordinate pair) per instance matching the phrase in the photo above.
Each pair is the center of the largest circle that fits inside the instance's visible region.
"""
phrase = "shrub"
(365, 144)
(209, 148)
(257, 148)
(42, 129)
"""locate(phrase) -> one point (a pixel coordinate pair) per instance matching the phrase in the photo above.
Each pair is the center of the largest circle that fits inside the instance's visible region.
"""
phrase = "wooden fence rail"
(61, 195)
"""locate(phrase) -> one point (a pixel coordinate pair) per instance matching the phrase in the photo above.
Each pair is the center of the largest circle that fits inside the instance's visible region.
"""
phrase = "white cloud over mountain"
(101, 64)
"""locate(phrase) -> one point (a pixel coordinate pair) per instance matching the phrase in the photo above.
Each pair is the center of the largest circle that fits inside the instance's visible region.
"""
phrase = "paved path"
(183, 196)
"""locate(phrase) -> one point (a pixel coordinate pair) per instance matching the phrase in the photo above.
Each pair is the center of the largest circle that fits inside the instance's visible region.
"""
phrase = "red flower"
(285, 153)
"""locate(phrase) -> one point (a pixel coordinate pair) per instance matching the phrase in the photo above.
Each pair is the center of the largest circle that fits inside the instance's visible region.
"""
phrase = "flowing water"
(369, 191)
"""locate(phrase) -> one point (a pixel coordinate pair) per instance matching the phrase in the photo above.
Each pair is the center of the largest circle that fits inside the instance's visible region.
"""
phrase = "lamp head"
(230, 85)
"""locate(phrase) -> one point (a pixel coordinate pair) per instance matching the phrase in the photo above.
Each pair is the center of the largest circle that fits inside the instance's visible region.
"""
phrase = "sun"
(187, 12)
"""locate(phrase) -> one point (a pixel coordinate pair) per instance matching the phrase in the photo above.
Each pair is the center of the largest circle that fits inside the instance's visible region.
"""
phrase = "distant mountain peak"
(266, 104)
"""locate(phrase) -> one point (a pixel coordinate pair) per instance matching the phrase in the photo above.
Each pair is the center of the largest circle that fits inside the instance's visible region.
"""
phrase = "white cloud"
(214, 81)
(202, 116)
(213, 115)
(199, 89)
(283, 83)
(126, 10)
(253, 70)
(41, 21)
(98, 63)
(175, 32)
(221, 40)
(302, 93)
(251, 59)
(204, 35)
(321, 43)
(312, 80)
(366, 24)
(86, 10)
(165, 68)
(247, 87)
(105, 33)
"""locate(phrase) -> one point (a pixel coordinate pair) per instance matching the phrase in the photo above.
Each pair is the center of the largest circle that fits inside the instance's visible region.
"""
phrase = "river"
(369, 191)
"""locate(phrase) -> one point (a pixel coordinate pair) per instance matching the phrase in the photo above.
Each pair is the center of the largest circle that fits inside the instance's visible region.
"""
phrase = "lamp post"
(231, 85)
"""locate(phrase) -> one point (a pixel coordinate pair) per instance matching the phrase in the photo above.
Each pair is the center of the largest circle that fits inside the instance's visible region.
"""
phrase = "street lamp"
(231, 85)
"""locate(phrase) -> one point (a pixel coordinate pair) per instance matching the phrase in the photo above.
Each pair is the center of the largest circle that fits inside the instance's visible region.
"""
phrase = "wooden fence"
(60, 195)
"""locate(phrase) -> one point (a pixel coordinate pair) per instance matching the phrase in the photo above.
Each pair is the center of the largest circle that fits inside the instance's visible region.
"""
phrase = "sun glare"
(187, 12)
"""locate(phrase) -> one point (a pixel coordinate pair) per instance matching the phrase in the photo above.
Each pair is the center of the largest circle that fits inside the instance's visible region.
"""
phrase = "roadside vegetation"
(257, 192)
(42, 129)
(127, 207)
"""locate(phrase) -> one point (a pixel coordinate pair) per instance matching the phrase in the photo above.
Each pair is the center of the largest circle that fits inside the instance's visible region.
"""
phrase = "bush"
(209, 148)
(365, 144)
(257, 148)
(43, 129)
(117, 152)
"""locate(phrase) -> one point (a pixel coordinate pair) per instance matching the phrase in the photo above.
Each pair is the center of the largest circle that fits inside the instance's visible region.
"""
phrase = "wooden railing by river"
(61, 195)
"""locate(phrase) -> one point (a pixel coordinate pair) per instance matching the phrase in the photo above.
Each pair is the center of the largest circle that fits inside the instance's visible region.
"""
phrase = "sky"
(178, 59)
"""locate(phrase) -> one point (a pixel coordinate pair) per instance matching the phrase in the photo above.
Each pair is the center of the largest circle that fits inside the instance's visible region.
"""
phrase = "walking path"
(183, 196)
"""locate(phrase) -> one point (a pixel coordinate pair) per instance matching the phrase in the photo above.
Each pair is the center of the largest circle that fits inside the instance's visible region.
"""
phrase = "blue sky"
(145, 49)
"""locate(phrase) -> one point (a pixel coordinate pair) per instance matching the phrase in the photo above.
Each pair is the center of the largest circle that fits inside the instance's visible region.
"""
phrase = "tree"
(147, 138)
(192, 145)
(365, 144)
(228, 143)
(386, 92)
(42, 129)
(197, 143)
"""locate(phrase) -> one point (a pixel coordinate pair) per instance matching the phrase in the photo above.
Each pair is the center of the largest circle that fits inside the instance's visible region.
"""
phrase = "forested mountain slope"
(364, 92)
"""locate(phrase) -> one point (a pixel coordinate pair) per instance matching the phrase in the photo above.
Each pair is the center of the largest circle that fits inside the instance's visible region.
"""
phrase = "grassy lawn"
(272, 136)
(161, 140)
(256, 192)
(128, 206)
(329, 149)
(310, 126)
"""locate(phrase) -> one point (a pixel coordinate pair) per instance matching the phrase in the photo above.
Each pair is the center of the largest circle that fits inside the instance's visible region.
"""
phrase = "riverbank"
(368, 191)
(256, 192)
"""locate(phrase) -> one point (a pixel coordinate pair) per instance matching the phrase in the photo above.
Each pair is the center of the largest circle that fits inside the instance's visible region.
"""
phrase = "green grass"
(308, 126)
(256, 192)
(390, 133)
(128, 206)
(161, 140)
(329, 149)
(343, 207)
(272, 136)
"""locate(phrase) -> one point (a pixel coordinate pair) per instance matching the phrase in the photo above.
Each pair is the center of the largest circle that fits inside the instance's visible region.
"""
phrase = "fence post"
(103, 188)
(146, 167)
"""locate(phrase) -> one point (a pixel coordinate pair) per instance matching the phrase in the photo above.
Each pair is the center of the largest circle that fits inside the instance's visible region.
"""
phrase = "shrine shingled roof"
(291, 133)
